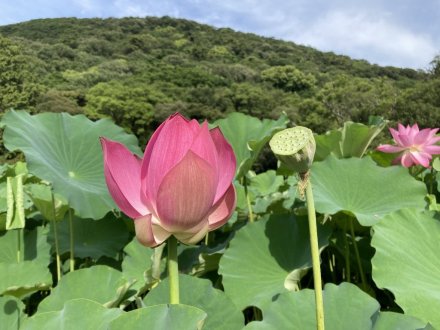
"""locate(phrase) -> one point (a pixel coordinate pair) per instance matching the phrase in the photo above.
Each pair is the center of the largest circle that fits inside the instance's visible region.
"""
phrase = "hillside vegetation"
(140, 70)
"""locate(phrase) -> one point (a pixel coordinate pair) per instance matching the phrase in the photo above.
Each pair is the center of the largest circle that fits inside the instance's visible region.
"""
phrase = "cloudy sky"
(403, 33)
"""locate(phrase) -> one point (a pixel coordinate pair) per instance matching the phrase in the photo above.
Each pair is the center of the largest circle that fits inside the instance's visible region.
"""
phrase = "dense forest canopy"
(140, 70)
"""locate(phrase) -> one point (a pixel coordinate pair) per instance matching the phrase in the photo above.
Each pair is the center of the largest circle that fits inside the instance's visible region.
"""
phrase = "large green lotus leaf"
(346, 307)
(198, 260)
(359, 186)
(222, 313)
(266, 183)
(270, 193)
(20, 279)
(169, 317)
(357, 137)
(407, 262)
(328, 143)
(352, 140)
(267, 258)
(247, 136)
(11, 313)
(65, 150)
(382, 159)
(137, 263)
(390, 320)
(75, 314)
(105, 237)
(41, 196)
(34, 246)
(31, 273)
(102, 284)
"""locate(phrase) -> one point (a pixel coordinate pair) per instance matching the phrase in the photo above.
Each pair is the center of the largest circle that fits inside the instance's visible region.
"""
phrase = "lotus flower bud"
(182, 186)
(295, 148)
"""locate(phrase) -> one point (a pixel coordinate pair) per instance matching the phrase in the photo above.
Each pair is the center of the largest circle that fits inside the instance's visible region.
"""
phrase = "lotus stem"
(19, 237)
(251, 213)
(173, 270)
(347, 255)
(358, 258)
(55, 232)
(431, 181)
(72, 252)
(315, 254)
(248, 200)
(331, 266)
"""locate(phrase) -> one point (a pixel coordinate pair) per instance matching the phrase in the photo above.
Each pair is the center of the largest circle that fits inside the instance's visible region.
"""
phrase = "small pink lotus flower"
(415, 147)
(181, 187)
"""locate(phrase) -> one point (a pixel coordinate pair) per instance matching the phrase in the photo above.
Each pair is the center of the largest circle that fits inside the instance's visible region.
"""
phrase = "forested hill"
(140, 70)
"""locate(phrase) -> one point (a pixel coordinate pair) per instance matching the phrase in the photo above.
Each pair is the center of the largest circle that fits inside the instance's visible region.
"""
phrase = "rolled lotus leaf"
(295, 147)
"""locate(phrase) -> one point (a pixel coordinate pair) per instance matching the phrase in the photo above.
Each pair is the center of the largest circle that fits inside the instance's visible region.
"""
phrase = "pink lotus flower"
(415, 147)
(181, 187)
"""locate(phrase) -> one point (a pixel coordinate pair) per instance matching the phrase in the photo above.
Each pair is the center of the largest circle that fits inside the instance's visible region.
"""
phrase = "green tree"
(59, 101)
(435, 66)
(349, 98)
(288, 78)
(420, 104)
(18, 84)
(130, 106)
(254, 100)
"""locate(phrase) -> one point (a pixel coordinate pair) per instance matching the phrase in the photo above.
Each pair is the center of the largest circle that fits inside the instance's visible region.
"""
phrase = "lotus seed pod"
(295, 147)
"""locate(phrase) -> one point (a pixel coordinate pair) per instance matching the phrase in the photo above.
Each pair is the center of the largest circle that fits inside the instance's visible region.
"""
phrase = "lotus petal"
(226, 162)
(122, 172)
(389, 148)
(170, 146)
(186, 194)
(149, 234)
(223, 209)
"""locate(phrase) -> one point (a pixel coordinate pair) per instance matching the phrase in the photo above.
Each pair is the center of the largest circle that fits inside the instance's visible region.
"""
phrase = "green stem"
(347, 255)
(72, 252)
(173, 270)
(315, 255)
(251, 213)
(331, 265)
(431, 181)
(19, 236)
(248, 200)
(55, 232)
(207, 239)
(358, 258)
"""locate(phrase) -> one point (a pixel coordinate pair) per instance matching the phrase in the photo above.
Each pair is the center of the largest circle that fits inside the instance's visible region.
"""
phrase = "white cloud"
(85, 5)
(130, 8)
(365, 36)
(137, 8)
(263, 17)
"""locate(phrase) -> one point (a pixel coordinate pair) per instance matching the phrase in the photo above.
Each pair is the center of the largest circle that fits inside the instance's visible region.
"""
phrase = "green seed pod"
(295, 148)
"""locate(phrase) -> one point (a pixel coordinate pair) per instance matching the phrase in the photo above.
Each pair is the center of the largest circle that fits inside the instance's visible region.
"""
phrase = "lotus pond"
(70, 259)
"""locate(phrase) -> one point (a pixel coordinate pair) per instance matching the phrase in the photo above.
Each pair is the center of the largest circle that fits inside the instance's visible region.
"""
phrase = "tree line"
(140, 70)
